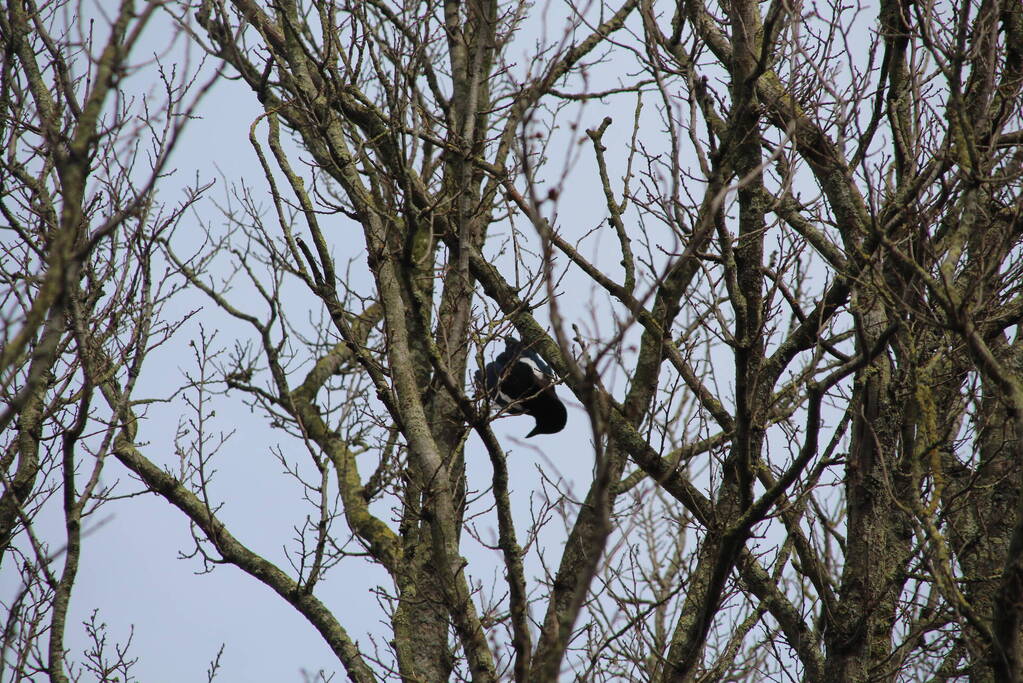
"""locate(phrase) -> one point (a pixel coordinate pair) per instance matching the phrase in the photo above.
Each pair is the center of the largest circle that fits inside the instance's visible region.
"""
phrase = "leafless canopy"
(772, 251)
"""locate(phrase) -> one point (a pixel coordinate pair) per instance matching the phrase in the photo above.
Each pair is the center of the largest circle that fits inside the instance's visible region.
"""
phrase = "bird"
(522, 383)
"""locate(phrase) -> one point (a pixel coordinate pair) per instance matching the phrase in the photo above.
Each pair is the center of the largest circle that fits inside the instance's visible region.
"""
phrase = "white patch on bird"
(541, 376)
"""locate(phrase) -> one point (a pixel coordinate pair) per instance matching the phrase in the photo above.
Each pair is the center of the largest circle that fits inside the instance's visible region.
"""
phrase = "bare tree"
(78, 178)
(797, 348)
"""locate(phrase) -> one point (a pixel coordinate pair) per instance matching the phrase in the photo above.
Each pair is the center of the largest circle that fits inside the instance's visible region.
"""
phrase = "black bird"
(521, 382)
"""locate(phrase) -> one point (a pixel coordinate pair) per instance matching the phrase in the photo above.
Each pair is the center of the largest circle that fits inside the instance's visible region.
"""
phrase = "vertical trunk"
(982, 499)
(422, 622)
(741, 154)
(878, 535)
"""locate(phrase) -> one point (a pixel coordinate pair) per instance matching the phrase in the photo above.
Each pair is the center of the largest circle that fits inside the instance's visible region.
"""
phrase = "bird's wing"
(497, 384)
(518, 384)
(541, 371)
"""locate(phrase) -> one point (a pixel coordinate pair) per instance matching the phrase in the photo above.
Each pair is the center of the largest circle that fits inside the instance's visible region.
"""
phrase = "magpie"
(521, 382)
